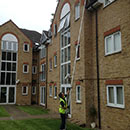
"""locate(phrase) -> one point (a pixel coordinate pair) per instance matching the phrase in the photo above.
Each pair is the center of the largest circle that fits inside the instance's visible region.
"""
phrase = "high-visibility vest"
(61, 109)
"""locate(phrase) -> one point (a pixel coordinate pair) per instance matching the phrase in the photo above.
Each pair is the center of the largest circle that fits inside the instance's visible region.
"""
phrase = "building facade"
(97, 74)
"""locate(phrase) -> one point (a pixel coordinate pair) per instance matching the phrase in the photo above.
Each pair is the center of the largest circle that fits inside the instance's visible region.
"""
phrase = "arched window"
(64, 17)
(9, 42)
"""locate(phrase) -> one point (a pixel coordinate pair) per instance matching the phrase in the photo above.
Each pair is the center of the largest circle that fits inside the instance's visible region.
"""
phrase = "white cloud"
(29, 14)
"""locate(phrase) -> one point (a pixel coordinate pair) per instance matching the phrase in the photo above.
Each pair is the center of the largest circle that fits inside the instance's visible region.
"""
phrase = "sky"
(28, 14)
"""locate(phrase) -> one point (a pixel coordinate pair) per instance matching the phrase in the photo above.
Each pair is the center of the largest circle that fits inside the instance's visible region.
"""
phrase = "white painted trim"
(27, 47)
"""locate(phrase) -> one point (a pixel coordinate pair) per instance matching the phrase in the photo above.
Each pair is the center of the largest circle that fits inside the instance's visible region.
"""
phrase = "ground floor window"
(55, 91)
(78, 94)
(115, 96)
(50, 92)
(24, 90)
(42, 95)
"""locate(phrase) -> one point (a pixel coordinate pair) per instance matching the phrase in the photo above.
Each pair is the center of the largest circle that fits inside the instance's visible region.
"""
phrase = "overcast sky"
(28, 14)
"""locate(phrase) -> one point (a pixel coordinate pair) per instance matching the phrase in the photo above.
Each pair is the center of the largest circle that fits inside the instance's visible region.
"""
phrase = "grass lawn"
(33, 110)
(3, 112)
(36, 124)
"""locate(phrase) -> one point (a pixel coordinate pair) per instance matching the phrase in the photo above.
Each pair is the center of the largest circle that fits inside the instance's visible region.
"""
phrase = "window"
(55, 92)
(78, 94)
(25, 68)
(43, 72)
(24, 90)
(50, 92)
(113, 43)
(77, 11)
(55, 61)
(43, 52)
(115, 96)
(50, 64)
(26, 47)
(65, 57)
(55, 29)
(33, 90)
(34, 69)
(78, 51)
(107, 2)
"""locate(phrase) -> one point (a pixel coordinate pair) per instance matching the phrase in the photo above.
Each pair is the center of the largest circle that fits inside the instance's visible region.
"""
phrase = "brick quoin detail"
(112, 31)
(114, 82)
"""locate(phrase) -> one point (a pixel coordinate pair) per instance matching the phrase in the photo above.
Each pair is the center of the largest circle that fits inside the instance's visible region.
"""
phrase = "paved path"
(16, 114)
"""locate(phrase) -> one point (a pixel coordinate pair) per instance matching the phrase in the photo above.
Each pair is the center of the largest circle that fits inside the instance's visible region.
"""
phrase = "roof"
(34, 36)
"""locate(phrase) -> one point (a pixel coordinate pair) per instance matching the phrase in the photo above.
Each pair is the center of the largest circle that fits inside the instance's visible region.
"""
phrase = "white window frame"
(33, 92)
(42, 95)
(43, 71)
(55, 92)
(26, 90)
(27, 47)
(34, 68)
(115, 96)
(113, 43)
(43, 52)
(77, 51)
(50, 64)
(50, 91)
(55, 61)
(77, 11)
(78, 100)
(27, 68)
(106, 4)
(55, 29)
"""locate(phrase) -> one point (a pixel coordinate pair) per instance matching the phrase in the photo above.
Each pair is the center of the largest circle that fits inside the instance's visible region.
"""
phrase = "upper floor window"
(43, 52)
(107, 2)
(115, 96)
(43, 72)
(25, 68)
(55, 29)
(34, 69)
(33, 90)
(55, 91)
(113, 43)
(26, 47)
(55, 60)
(77, 11)
(78, 52)
(50, 63)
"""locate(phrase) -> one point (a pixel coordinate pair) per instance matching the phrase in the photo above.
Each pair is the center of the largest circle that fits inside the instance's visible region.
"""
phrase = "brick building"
(101, 76)
(17, 52)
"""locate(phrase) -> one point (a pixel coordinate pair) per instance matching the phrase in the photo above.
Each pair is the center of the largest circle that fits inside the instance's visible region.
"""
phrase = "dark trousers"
(63, 121)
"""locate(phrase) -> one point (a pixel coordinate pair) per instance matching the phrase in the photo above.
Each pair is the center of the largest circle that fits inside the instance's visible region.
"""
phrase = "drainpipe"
(97, 66)
(46, 71)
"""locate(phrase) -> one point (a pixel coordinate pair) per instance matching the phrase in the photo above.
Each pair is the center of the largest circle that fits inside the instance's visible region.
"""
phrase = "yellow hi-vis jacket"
(61, 109)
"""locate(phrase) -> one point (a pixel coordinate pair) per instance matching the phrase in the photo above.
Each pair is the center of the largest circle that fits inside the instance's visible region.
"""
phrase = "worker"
(62, 110)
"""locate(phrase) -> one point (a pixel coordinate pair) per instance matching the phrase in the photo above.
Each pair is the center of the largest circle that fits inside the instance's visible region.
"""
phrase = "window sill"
(78, 102)
(50, 96)
(26, 51)
(55, 66)
(24, 94)
(25, 72)
(76, 19)
(78, 59)
(116, 106)
(55, 98)
(116, 52)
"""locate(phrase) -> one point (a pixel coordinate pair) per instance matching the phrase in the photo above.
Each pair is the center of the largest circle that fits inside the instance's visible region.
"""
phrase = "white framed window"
(55, 29)
(25, 68)
(43, 52)
(78, 94)
(107, 2)
(55, 92)
(50, 91)
(55, 60)
(34, 69)
(43, 72)
(65, 57)
(115, 96)
(33, 90)
(78, 51)
(43, 95)
(24, 90)
(77, 11)
(26, 47)
(50, 64)
(113, 43)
